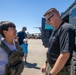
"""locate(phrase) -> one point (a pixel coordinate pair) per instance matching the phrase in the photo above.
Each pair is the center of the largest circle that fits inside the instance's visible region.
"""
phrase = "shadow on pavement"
(31, 65)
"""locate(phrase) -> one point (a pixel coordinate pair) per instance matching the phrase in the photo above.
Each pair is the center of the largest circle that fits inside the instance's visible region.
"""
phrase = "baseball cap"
(24, 40)
(24, 28)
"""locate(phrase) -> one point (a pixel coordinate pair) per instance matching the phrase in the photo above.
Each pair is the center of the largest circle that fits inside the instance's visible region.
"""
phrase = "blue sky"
(29, 12)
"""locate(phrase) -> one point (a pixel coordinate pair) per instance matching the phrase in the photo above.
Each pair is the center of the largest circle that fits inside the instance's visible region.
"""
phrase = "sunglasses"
(48, 20)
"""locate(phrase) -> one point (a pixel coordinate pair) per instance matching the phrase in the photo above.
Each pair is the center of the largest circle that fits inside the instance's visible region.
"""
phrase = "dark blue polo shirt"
(21, 35)
(62, 40)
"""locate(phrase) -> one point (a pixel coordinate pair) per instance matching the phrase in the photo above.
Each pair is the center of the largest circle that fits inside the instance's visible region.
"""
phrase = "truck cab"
(46, 31)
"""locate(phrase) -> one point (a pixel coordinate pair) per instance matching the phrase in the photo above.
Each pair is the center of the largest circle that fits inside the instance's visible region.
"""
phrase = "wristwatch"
(50, 74)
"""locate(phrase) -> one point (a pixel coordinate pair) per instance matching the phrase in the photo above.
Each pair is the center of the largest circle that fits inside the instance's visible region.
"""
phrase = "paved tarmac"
(36, 57)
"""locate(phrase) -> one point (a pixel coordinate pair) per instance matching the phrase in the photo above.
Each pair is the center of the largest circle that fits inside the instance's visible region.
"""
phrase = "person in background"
(25, 49)
(22, 35)
(61, 45)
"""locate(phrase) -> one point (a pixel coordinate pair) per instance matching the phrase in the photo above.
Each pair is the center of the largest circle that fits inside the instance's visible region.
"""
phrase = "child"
(8, 53)
(25, 49)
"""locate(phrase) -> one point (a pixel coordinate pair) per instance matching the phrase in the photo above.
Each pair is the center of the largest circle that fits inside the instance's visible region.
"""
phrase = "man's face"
(11, 32)
(24, 30)
(50, 19)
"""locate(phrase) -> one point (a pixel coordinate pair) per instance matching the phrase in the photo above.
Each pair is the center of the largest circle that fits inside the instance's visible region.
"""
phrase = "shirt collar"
(60, 25)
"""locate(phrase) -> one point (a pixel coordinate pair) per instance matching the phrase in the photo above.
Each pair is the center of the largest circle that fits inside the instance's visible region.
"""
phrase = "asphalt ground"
(36, 57)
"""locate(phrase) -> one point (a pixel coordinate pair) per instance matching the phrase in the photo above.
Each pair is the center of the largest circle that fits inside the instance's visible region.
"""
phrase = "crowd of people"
(59, 53)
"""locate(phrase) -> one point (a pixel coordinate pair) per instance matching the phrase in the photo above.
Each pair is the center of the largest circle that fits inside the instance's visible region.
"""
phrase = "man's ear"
(5, 32)
(56, 16)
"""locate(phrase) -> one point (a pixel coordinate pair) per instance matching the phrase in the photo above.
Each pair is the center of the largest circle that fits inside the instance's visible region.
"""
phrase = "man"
(10, 51)
(21, 35)
(61, 45)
